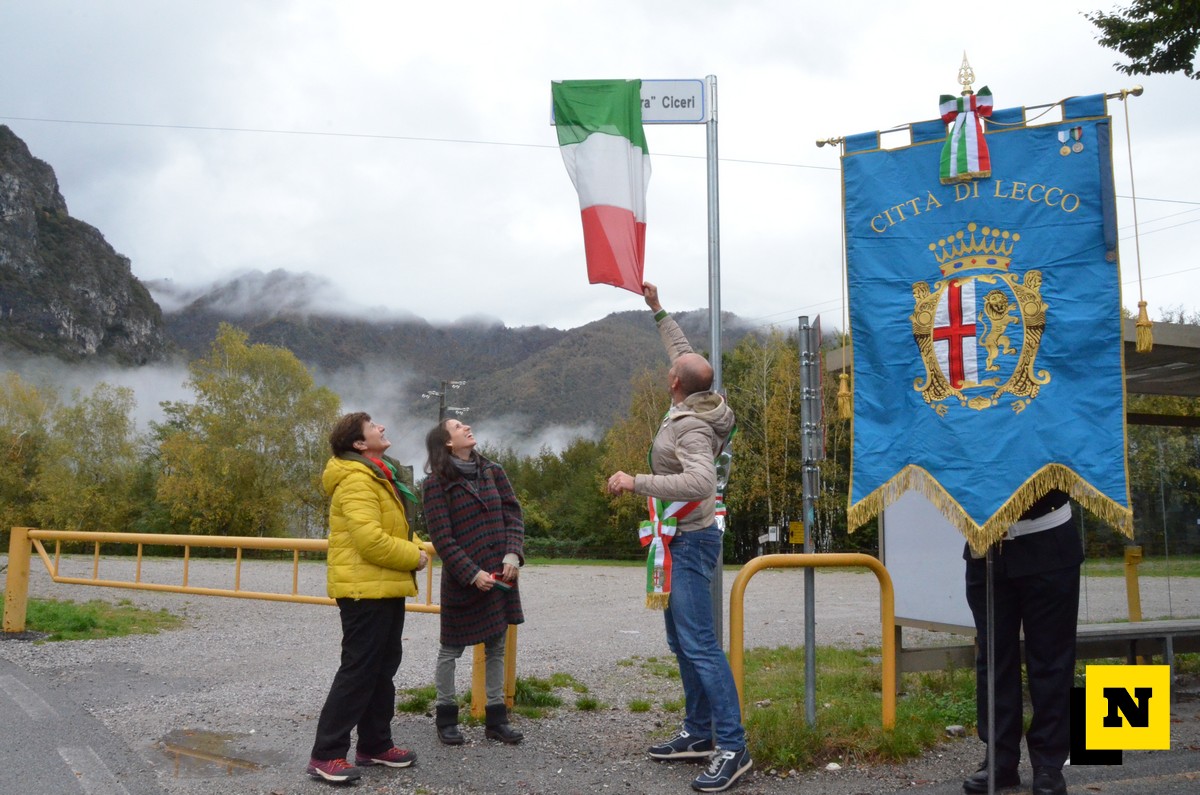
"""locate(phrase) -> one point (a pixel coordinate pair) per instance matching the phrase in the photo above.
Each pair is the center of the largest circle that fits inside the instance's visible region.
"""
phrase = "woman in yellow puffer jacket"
(372, 565)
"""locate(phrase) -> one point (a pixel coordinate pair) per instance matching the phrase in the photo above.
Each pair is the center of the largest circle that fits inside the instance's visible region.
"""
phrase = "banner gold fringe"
(657, 601)
(845, 401)
(1145, 337)
(1052, 476)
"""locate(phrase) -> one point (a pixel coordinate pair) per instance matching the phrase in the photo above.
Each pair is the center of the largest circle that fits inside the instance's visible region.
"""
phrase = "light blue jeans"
(709, 693)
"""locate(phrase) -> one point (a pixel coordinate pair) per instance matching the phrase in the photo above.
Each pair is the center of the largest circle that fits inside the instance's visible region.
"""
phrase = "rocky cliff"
(63, 289)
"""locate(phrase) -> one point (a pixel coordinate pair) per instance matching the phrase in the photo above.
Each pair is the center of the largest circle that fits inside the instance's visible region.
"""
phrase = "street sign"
(673, 102)
(670, 102)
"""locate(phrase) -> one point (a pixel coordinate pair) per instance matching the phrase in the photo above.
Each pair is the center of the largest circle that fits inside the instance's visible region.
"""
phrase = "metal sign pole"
(714, 311)
(808, 419)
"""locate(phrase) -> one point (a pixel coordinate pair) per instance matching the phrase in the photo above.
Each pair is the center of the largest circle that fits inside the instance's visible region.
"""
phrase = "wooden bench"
(1128, 639)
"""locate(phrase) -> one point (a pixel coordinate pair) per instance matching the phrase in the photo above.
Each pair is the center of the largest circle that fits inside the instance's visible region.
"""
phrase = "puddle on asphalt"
(202, 753)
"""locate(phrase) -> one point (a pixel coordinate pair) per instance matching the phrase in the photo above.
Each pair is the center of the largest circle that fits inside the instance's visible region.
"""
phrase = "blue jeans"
(709, 693)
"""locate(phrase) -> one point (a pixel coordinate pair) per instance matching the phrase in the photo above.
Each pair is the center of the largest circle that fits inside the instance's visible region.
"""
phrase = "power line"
(379, 136)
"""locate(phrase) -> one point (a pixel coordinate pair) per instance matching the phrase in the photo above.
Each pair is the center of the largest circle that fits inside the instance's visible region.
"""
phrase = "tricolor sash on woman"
(656, 533)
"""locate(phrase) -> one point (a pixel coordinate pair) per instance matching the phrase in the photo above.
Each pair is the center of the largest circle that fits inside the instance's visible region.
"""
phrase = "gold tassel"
(1145, 337)
(845, 402)
(657, 601)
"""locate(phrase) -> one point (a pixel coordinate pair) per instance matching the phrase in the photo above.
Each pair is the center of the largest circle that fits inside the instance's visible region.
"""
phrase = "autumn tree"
(625, 449)
(1157, 36)
(831, 501)
(25, 412)
(762, 379)
(91, 459)
(245, 458)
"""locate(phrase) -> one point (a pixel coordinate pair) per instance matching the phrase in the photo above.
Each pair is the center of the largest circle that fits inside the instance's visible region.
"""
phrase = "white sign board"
(670, 102)
(923, 554)
(674, 102)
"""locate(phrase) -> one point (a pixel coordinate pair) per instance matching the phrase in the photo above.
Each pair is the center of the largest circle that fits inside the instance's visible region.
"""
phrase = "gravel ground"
(250, 677)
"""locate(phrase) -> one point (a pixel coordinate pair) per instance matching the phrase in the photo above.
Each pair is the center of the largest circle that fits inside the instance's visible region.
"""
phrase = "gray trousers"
(443, 672)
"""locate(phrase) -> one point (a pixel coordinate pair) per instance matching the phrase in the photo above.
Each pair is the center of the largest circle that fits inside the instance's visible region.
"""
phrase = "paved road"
(49, 743)
(243, 682)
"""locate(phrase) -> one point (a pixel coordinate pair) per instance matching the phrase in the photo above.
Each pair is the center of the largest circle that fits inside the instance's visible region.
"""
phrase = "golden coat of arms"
(978, 329)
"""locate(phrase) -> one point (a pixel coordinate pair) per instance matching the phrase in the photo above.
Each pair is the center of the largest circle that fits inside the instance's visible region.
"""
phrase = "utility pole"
(441, 396)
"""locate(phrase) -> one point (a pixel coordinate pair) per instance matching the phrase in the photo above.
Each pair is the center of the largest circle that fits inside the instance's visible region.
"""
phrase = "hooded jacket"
(371, 551)
(688, 441)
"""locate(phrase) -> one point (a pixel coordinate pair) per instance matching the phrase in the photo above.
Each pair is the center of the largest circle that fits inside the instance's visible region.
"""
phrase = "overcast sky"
(403, 151)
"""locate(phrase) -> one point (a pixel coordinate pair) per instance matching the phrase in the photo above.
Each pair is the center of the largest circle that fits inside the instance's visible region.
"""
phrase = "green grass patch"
(848, 725)
(417, 700)
(533, 697)
(1150, 566)
(537, 693)
(639, 705)
(674, 705)
(67, 620)
(667, 667)
(566, 680)
(588, 704)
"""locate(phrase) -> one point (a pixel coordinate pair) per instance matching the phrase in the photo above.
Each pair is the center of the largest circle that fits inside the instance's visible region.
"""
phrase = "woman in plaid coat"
(475, 524)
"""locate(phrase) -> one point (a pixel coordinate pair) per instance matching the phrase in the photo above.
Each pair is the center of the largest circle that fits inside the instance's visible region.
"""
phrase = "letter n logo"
(1136, 710)
(1128, 707)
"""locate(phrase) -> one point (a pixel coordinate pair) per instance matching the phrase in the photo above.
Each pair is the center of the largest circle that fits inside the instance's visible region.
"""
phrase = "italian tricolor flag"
(599, 125)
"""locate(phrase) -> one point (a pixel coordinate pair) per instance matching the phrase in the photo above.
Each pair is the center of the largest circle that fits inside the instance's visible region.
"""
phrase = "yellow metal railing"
(25, 540)
(887, 611)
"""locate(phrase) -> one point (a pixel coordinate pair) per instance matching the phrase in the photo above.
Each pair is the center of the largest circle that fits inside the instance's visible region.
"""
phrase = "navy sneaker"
(683, 746)
(723, 769)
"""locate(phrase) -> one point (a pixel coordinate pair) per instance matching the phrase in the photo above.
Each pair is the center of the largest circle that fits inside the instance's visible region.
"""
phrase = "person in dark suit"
(476, 526)
(1035, 577)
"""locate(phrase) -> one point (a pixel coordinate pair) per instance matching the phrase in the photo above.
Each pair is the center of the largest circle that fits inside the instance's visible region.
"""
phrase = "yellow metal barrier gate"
(26, 539)
(887, 611)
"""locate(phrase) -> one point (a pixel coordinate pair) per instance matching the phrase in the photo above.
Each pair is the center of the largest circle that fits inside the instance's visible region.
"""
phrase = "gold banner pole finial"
(966, 75)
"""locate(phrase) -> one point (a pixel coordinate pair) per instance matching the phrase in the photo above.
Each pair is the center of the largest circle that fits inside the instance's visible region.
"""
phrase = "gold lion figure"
(997, 316)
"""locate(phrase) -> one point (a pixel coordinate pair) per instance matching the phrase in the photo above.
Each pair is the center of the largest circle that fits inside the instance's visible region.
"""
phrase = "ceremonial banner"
(985, 316)
(599, 124)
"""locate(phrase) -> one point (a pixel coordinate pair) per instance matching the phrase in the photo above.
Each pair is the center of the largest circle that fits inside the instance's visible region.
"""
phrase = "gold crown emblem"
(965, 250)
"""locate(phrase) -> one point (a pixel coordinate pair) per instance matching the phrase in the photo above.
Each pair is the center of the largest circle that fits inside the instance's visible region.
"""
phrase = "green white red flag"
(599, 125)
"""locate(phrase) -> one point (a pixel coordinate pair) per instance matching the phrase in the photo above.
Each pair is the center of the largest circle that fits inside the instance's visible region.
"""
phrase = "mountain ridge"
(66, 293)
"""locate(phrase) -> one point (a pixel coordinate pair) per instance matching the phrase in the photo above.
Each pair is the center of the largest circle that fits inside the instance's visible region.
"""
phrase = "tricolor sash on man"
(599, 124)
(656, 533)
(986, 320)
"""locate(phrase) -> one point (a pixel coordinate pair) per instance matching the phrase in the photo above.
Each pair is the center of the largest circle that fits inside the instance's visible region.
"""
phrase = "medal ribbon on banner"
(656, 533)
